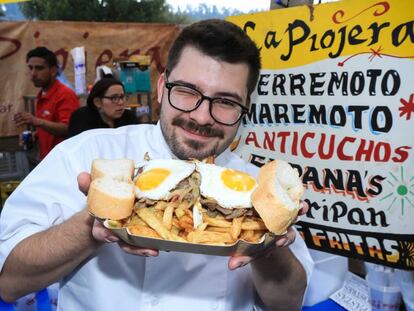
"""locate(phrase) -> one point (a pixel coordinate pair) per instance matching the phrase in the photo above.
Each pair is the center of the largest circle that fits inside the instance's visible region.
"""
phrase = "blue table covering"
(326, 305)
(41, 303)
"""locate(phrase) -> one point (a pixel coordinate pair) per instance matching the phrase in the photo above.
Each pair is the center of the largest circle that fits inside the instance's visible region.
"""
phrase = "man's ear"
(54, 70)
(160, 87)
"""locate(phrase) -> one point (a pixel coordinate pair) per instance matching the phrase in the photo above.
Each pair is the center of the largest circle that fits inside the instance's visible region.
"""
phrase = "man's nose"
(202, 114)
(32, 72)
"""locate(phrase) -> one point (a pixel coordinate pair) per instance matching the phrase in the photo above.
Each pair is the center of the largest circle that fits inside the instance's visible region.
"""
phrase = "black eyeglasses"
(186, 98)
(116, 98)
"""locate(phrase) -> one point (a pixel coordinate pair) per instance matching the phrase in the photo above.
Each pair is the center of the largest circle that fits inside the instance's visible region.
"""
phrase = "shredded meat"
(213, 209)
(186, 191)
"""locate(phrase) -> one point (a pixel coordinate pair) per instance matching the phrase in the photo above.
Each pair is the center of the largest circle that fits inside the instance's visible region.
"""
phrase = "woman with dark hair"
(105, 107)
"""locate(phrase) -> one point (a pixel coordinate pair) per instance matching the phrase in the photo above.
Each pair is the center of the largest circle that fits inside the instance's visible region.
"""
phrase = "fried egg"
(159, 177)
(230, 188)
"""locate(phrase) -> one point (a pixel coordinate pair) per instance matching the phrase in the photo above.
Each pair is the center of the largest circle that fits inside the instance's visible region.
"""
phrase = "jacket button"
(155, 300)
(214, 305)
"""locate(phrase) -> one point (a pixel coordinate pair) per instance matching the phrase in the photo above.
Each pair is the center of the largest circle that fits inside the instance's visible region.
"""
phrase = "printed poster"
(335, 99)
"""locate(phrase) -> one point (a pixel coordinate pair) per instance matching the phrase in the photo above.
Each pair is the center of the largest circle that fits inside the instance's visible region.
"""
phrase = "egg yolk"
(152, 178)
(237, 181)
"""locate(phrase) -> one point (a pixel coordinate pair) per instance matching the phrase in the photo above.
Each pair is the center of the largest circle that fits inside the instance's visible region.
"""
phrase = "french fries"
(174, 221)
(209, 237)
(167, 216)
(143, 231)
(236, 227)
(155, 223)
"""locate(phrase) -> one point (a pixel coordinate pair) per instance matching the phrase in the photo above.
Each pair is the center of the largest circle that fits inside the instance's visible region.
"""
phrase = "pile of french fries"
(174, 221)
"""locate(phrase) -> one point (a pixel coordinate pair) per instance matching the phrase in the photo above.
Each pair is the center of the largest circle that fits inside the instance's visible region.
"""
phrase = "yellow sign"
(12, 1)
(298, 36)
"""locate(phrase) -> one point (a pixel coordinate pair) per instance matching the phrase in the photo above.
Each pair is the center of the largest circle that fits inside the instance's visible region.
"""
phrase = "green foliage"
(144, 11)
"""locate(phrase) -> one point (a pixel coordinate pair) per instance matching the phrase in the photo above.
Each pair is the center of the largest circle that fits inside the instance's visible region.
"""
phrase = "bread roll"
(277, 196)
(110, 198)
(120, 169)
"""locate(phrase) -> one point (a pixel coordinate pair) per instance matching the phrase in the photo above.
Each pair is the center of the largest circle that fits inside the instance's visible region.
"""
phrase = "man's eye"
(225, 103)
(185, 91)
(35, 67)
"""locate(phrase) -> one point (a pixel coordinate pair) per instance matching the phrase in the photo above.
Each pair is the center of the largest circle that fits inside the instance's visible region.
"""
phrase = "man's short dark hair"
(44, 53)
(219, 39)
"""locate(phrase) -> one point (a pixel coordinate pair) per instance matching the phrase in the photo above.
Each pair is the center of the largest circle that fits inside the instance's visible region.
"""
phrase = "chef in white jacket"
(47, 235)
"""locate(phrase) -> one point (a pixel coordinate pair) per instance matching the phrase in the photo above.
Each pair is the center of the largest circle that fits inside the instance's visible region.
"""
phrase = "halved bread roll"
(277, 197)
(120, 169)
(110, 198)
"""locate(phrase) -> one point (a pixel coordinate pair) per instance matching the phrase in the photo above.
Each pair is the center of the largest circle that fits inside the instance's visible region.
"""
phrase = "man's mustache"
(194, 127)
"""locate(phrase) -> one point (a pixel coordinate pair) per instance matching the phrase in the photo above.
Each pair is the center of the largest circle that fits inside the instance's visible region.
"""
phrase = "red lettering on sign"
(16, 44)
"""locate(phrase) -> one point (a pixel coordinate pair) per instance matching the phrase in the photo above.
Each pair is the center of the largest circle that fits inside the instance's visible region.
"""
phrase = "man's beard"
(37, 83)
(41, 83)
(190, 148)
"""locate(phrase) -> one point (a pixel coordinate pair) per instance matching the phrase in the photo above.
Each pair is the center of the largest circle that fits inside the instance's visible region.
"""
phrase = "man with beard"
(212, 70)
(55, 101)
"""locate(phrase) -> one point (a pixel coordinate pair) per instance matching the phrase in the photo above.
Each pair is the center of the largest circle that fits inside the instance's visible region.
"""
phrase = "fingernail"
(282, 242)
(242, 264)
(111, 239)
(146, 254)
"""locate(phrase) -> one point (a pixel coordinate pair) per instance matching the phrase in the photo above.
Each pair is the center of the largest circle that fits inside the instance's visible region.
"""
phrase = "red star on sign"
(407, 107)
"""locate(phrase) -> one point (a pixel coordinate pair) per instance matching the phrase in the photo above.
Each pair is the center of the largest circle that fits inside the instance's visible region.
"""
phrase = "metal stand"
(140, 104)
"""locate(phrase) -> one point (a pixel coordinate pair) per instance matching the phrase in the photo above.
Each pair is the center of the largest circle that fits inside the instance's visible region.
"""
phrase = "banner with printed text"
(335, 99)
(103, 43)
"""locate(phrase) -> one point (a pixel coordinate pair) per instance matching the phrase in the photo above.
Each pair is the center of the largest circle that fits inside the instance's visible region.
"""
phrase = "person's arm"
(54, 128)
(47, 256)
(280, 280)
(279, 277)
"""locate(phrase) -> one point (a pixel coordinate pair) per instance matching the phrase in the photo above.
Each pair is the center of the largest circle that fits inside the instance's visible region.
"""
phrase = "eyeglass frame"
(170, 85)
(116, 97)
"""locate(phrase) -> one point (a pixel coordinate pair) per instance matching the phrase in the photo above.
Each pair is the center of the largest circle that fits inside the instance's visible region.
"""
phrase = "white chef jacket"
(112, 279)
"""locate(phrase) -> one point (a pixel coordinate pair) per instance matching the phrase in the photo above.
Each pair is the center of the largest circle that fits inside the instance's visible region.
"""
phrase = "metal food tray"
(240, 248)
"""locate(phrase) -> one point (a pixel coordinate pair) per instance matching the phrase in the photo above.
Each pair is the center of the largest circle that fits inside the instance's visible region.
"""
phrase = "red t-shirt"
(56, 105)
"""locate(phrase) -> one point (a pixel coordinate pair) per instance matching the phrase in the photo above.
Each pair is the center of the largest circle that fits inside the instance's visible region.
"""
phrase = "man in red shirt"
(55, 101)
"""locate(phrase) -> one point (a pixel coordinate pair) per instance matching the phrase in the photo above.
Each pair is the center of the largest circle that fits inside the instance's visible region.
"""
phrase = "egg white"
(212, 186)
(178, 169)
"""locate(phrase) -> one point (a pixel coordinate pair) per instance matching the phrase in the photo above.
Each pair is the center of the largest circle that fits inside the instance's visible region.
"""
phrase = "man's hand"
(104, 235)
(281, 241)
(26, 118)
(278, 276)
